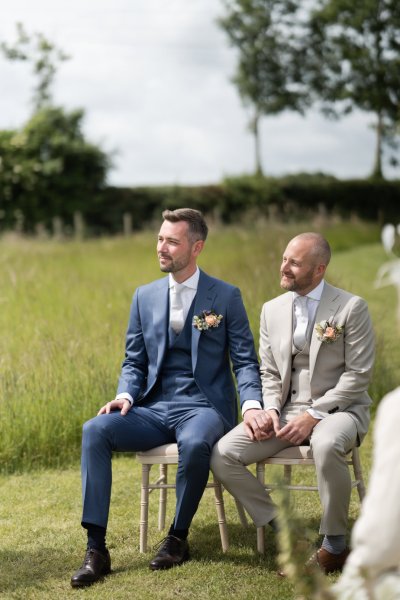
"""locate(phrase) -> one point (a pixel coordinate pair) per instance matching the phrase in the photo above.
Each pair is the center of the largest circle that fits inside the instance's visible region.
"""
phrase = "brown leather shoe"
(172, 552)
(326, 561)
(95, 565)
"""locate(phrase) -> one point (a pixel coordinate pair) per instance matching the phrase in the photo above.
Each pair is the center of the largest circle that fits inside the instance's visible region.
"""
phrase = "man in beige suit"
(317, 351)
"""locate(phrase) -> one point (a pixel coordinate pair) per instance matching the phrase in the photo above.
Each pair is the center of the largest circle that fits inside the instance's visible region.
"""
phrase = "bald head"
(318, 246)
(304, 262)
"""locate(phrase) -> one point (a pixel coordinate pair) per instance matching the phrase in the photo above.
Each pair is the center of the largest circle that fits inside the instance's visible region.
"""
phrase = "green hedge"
(287, 198)
(145, 205)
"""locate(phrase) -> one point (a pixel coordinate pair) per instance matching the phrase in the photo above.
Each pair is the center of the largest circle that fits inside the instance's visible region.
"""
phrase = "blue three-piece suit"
(182, 388)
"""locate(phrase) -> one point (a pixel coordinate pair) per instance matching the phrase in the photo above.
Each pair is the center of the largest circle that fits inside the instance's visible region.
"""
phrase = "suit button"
(293, 369)
(293, 391)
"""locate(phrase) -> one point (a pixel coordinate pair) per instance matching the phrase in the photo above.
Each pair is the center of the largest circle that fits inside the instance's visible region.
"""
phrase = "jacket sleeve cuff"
(273, 408)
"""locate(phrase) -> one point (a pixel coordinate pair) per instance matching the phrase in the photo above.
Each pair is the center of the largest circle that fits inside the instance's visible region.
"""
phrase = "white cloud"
(154, 79)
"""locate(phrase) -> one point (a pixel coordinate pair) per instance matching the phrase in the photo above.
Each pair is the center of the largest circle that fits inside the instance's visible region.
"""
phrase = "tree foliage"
(48, 169)
(354, 59)
(43, 55)
(339, 53)
(268, 36)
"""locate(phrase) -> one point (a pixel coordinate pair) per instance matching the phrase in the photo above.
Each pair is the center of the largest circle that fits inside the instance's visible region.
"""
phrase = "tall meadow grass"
(64, 310)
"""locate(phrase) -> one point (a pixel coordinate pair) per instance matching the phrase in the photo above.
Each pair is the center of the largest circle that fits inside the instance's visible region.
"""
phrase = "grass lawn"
(64, 309)
(42, 543)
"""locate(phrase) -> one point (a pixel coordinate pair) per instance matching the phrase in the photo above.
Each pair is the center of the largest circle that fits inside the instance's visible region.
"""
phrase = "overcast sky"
(154, 79)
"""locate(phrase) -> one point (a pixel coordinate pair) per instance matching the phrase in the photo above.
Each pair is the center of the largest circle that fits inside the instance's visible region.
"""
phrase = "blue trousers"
(194, 428)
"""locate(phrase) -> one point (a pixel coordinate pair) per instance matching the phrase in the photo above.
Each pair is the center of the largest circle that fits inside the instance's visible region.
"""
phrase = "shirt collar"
(192, 282)
(315, 294)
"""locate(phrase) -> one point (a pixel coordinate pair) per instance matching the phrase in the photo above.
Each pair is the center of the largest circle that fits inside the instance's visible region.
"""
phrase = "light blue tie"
(301, 314)
(176, 318)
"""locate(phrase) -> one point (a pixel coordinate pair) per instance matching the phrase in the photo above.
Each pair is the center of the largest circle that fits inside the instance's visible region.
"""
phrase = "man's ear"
(198, 247)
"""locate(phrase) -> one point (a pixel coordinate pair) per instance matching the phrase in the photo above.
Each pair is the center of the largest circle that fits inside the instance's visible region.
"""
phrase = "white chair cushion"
(293, 453)
(160, 454)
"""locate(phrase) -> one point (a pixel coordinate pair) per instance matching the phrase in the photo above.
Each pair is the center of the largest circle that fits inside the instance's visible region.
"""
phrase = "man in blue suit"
(176, 385)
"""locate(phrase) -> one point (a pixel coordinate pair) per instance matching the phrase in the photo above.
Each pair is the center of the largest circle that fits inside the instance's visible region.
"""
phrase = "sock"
(274, 524)
(335, 544)
(96, 537)
(179, 533)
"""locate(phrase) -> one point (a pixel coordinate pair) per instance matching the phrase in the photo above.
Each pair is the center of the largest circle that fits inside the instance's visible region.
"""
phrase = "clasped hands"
(262, 424)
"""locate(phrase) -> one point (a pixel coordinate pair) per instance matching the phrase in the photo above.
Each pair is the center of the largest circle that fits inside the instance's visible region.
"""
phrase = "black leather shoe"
(172, 552)
(95, 565)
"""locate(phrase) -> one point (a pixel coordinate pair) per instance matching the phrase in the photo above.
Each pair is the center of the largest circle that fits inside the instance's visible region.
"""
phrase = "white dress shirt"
(314, 298)
(188, 290)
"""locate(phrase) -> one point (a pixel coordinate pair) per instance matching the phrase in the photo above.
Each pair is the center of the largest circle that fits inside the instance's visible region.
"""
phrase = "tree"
(48, 169)
(354, 58)
(43, 55)
(268, 35)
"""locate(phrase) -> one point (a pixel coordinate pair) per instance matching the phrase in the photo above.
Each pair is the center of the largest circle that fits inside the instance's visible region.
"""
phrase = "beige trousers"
(331, 440)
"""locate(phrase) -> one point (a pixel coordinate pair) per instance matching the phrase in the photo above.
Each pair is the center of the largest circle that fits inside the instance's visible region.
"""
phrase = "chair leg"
(261, 540)
(241, 513)
(260, 470)
(358, 473)
(144, 508)
(287, 477)
(219, 504)
(163, 497)
(287, 474)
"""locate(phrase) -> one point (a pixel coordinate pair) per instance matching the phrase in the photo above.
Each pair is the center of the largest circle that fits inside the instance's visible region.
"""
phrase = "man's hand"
(260, 424)
(122, 404)
(298, 429)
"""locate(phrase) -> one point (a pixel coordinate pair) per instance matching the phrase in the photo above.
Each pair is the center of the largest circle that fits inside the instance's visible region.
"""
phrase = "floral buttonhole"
(206, 319)
(328, 331)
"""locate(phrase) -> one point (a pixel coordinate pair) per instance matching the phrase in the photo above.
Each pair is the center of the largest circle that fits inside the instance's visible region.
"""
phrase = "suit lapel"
(204, 300)
(161, 318)
(327, 308)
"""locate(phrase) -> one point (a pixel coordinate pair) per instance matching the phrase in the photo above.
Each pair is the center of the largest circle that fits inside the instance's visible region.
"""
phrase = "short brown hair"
(197, 227)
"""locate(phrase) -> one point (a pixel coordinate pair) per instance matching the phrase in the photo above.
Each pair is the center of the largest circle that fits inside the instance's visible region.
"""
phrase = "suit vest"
(176, 379)
(299, 398)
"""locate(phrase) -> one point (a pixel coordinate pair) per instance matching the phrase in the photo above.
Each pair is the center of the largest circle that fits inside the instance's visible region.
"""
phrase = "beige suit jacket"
(340, 371)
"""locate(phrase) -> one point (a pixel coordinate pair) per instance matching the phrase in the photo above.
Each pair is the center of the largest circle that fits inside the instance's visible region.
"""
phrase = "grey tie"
(176, 318)
(301, 313)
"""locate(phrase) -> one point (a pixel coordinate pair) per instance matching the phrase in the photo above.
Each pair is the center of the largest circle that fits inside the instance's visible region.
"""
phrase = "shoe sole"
(166, 567)
(78, 584)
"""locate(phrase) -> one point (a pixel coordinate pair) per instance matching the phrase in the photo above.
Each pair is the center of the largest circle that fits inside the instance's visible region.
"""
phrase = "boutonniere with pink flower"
(206, 319)
(328, 331)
